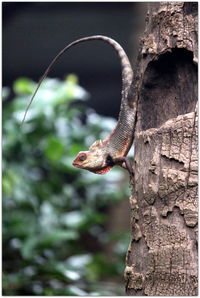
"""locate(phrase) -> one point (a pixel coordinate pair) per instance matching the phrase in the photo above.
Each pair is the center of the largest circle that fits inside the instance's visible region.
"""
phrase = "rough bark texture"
(162, 256)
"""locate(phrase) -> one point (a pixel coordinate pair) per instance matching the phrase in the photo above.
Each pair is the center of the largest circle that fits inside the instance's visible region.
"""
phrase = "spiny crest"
(96, 145)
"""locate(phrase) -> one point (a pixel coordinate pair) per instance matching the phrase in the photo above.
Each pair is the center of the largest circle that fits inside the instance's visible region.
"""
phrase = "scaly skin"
(103, 155)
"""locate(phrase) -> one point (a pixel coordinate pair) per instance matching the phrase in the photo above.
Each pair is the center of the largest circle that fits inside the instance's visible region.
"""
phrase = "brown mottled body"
(103, 155)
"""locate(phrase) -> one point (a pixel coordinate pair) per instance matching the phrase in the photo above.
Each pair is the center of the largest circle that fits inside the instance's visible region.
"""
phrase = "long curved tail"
(127, 73)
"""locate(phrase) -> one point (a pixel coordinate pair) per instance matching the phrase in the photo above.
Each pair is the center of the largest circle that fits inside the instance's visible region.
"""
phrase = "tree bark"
(162, 255)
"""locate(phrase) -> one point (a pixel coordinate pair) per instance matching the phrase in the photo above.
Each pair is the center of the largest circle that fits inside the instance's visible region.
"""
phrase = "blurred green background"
(59, 233)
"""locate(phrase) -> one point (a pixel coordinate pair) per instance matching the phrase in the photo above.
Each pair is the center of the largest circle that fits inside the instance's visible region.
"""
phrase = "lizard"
(103, 155)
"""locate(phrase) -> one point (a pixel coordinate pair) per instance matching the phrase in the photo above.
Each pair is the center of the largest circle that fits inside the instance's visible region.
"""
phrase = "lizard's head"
(94, 160)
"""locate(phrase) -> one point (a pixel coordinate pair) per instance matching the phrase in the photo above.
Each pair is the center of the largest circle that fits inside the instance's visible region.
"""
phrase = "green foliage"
(54, 215)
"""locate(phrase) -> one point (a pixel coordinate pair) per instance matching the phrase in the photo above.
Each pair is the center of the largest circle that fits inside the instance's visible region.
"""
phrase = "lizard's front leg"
(124, 162)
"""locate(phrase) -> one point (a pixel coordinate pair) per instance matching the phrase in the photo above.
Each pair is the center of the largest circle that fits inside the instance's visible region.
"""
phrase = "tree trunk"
(162, 256)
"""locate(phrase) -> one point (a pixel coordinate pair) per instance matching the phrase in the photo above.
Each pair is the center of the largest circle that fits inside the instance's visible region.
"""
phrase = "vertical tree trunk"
(162, 256)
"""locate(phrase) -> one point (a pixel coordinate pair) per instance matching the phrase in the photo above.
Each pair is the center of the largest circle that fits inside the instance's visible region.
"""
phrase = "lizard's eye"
(82, 157)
